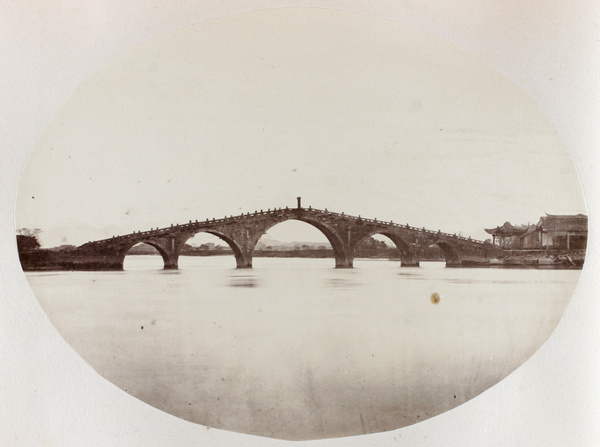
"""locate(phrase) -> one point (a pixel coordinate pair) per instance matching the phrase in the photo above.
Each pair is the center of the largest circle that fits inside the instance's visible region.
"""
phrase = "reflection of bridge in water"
(243, 232)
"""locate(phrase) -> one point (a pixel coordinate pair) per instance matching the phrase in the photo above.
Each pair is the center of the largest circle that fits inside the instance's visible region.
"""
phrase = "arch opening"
(341, 252)
(201, 240)
(377, 244)
(207, 250)
(144, 256)
(294, 238)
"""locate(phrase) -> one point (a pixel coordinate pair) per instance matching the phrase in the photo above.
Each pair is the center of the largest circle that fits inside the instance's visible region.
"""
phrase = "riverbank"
(563, 259)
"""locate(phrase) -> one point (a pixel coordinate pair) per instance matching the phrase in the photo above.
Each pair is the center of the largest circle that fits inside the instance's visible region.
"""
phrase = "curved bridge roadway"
(243, 232)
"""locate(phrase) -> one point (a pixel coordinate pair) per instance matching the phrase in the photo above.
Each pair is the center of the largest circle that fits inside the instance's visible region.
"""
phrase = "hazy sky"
(352, 113)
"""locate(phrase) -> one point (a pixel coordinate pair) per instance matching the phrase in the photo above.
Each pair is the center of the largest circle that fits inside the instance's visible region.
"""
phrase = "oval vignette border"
(505, 379)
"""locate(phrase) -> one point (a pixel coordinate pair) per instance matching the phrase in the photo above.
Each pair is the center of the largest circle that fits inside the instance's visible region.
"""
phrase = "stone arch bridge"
(243, 232)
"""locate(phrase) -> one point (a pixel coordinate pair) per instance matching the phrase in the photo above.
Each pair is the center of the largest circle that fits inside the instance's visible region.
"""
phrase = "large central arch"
(339, 248)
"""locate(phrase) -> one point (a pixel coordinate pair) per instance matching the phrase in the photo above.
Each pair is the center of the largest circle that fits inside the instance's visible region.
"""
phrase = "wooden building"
(552, 232)
(563, 232)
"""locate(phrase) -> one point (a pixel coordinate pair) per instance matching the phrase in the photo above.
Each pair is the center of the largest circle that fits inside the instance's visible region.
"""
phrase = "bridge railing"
(216, 221)
(191, 224)
(404, 226)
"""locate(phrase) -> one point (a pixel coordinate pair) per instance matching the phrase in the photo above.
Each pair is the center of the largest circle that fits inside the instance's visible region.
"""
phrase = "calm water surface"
(296, 349)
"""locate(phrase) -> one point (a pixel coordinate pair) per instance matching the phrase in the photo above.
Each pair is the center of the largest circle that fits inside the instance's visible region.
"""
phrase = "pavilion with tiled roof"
(509, 236)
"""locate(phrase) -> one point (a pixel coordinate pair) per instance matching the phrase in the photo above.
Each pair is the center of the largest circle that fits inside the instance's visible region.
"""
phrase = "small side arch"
(241, 259)
(167, 260)
(407, 257)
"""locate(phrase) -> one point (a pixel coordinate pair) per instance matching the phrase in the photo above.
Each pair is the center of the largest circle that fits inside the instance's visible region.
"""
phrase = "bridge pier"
(409, 262)
(453, 263)
(344, 263)
(241, 262)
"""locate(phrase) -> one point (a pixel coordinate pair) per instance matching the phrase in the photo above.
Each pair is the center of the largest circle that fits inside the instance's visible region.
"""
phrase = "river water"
(296, 349)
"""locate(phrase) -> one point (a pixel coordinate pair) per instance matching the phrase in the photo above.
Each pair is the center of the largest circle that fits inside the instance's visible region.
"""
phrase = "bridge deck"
(275, 212)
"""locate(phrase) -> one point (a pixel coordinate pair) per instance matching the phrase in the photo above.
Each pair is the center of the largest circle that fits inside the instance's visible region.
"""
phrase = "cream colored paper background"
(50, 396)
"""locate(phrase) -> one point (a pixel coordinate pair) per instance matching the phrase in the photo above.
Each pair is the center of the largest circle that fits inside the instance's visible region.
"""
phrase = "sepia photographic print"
(301, 223)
